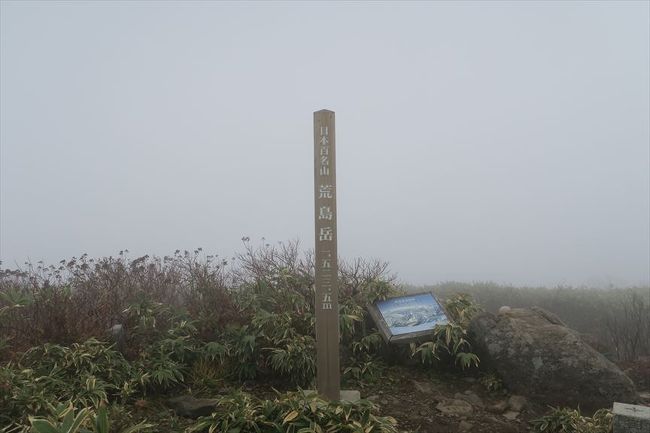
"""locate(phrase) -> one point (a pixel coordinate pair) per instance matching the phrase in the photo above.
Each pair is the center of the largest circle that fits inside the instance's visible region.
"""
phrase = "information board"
(405, 318)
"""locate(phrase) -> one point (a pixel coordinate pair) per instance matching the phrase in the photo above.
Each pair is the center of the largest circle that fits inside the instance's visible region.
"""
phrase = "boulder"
(192, 407)
(537, 355)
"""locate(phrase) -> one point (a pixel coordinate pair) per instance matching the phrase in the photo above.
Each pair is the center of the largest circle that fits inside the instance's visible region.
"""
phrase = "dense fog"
(475, 142)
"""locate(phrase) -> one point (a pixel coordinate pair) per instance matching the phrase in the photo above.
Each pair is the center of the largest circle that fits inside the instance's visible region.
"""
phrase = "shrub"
(449, 341)
(22, 391)
(276, 290)
(492, 382)
(167, 359)
(208, 371)
(83, 297)
(92, 358)
(294, 358)
(292, 413)
(65, 419)
(90, 374)
(190, 313)
(363, 369)
(566, 420)
(243, 352)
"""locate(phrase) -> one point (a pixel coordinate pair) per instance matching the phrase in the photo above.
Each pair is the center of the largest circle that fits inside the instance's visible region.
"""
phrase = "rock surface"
(511, 415)
(516, 402)
(191, 407)
(423, 387)
(538, 356)
(470, 397)
(455, 407)
(499, 407)
(630, 418)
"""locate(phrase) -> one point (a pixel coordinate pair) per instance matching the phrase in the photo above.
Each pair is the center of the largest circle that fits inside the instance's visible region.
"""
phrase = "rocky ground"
(421, 400)
(425, 402)
(431, 402)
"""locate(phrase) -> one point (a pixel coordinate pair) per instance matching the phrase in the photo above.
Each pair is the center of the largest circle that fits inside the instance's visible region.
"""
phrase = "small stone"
(350, 395)
(455, 407)
(423, 387)
(517, 403)
(470, 397)
(373, 398)
(499, 407)
(511, 415)
(383, 402)
(424, 413)
(469, 379)
(191, 407)
(465, 426)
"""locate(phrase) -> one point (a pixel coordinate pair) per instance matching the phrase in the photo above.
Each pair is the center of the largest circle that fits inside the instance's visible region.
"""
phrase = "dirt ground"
(420, 400)
(427, 402)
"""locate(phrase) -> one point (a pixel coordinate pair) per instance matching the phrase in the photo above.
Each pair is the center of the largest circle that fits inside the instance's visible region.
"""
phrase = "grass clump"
(89, 373)
(190, 322)
(65, 419)
(294, 412)
(449, 342)
(567, 420)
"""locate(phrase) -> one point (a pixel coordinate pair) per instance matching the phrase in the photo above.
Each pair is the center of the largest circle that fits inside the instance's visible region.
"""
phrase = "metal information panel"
(328, 375)
(406, 318)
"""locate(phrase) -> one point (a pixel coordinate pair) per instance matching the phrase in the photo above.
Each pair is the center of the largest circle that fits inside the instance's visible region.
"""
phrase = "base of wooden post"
(347, 395)
(350, 395)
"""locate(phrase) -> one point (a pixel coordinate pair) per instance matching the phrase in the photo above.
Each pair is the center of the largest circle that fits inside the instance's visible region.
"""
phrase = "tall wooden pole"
(328, 374)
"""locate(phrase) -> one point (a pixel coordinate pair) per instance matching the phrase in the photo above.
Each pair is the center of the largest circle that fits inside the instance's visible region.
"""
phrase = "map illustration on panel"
(414, 313)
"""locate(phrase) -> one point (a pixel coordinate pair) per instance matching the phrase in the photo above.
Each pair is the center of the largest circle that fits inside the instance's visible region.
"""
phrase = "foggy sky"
(475, 141)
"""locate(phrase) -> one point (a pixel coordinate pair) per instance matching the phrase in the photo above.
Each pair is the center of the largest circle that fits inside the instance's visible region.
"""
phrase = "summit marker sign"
(328, 375)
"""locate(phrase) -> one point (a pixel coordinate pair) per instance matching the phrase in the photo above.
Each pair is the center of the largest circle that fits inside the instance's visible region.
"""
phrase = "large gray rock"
(538, 356)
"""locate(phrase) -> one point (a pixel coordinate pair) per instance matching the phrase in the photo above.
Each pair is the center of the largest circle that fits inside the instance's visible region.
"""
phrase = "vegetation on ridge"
(193, 323)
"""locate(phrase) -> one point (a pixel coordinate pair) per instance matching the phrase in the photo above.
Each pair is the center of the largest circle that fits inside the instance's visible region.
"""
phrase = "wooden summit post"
(328, 374)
